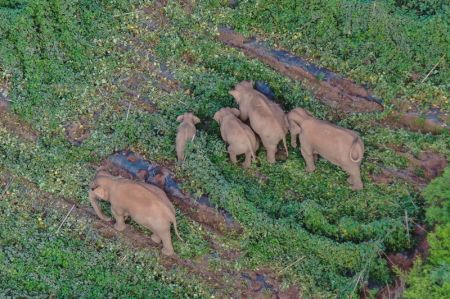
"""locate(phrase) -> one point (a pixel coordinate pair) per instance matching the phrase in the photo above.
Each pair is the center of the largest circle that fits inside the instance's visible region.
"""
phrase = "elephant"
(340, 146)
(239, 136)
(185, 132)
(146, 204)
(267, 119)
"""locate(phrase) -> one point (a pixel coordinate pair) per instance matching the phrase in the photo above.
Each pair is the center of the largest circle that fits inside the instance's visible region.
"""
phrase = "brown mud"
(226, 283)
(420, 171)
(330, 88)
(78, 131)
(132, 166)
(434, 121)
(13, 124)
(429, 165)
(403, 261)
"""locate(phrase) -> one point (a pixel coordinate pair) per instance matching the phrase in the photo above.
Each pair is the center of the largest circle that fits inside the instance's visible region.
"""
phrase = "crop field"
(81, 80)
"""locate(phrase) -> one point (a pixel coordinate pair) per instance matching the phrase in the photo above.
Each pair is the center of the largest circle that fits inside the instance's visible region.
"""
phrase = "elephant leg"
(155, 238)
(248, 160)
(271, 149)
(294, 140)
(120, 220)
(232, 154)
(355, 178)
(167, 242)
(350, 180)
(309, 159)
(316, 157)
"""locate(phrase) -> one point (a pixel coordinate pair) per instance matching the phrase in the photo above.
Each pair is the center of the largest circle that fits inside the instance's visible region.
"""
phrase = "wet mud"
(130, 165)
(330, 88)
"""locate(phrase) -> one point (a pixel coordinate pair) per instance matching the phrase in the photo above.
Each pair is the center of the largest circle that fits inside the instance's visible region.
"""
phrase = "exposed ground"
(118, 81)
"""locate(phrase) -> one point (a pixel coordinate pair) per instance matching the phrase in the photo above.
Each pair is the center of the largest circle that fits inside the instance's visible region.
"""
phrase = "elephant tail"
(174, 221)
(356, 150)
(180, 145)
(285, 146)
(252, 153)
(249, 143)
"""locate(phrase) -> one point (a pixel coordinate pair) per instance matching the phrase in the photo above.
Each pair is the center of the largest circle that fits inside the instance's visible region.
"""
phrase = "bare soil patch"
(331, 89)
(433, 121)
(13, 124)
(421, 170)
(130, 165)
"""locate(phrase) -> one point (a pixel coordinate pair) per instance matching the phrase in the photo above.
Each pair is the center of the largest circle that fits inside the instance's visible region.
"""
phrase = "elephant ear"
(180, 118)
(218, 116)
(308, 113)
(235, 111)
(101, 193)
(234, 93)
(195, 119)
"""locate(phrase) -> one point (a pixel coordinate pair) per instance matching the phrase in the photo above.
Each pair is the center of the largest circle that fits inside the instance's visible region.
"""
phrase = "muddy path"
(330, 88)
(226, 283)
(420, 171)
(130, 165)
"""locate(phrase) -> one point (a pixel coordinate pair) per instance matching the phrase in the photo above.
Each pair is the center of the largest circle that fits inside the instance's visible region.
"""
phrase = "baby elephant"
(238, 135)
(185, 132)
(340, 146)
(148, 205)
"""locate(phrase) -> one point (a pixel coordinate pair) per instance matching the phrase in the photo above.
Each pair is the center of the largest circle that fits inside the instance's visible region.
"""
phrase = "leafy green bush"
(376, 43)
(431, 279)
(425, 7)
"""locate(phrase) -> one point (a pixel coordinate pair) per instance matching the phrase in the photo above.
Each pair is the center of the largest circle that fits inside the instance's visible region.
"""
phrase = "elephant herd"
(268, 121)
(149, 205)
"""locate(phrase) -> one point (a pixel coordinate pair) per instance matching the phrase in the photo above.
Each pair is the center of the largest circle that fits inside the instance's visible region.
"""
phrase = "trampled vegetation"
(120, 73)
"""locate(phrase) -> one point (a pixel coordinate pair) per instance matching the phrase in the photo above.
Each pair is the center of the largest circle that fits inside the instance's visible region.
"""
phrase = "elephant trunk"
(94, 203)
(295, 117)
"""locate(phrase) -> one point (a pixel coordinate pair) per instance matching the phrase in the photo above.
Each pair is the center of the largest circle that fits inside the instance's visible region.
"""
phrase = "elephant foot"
(246, 164)
(350, 180)
(358, 186)
(107, 219)
(168, 252)
(156, 239)
(310, 169)
(119, 227)
(271, 160)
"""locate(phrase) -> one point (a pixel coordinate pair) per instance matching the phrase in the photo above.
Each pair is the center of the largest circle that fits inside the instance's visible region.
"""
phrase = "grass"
(67, 62)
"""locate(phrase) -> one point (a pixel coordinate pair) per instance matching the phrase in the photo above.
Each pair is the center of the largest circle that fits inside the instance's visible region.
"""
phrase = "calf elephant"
(340, 146)
(267, 119)
(238, 135)
(146, 204)
(185, 132)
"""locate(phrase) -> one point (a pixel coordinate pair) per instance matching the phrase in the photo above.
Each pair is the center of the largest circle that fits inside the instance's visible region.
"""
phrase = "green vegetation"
(432, 279)
(68, 62)
(37, 259)
(388, 45)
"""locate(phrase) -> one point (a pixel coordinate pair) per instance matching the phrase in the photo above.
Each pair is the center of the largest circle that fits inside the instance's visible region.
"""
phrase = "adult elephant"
(267, 119)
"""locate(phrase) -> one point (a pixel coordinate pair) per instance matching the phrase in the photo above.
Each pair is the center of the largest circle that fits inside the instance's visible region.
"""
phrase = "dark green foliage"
(376, 43)
(431, 279)
(66, 61)
(425, 7)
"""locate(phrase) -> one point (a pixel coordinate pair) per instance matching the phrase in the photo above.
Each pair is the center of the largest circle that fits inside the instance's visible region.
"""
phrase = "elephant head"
(241, 95)
(295, 118)
(219, 115)
(100, 189)
(188, 117)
